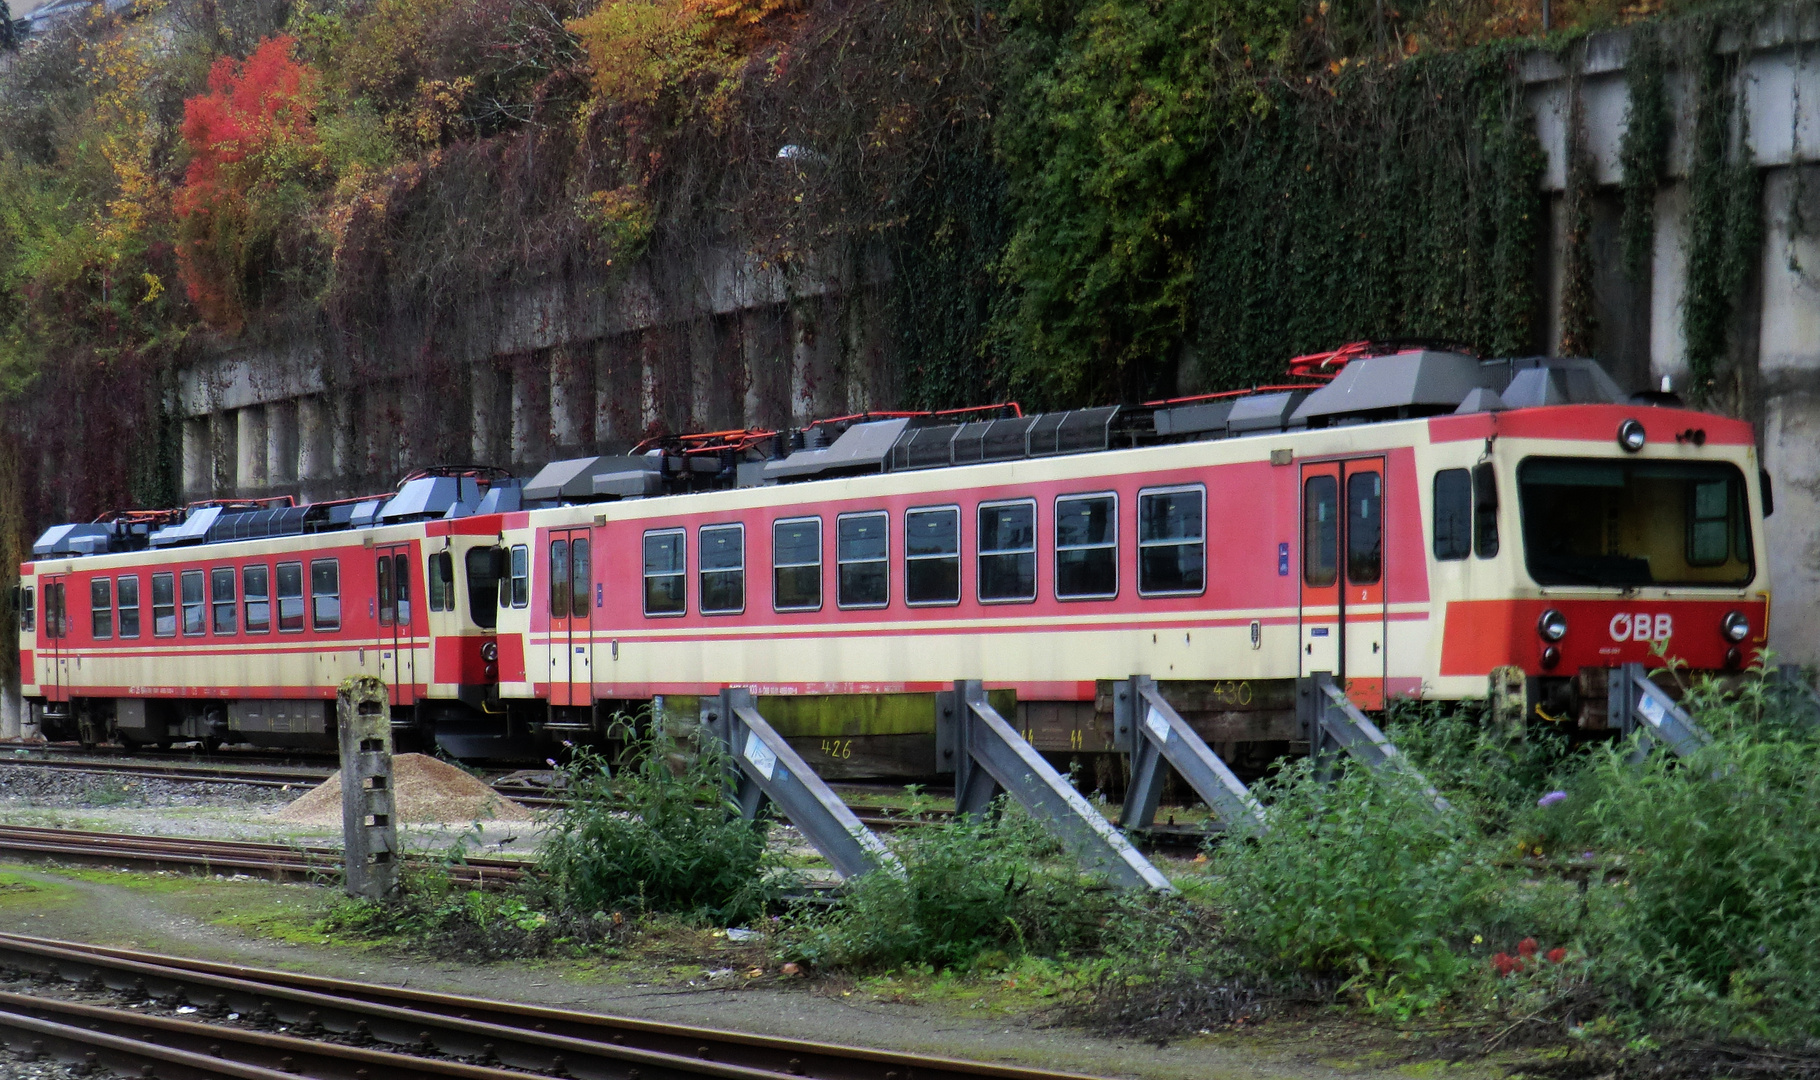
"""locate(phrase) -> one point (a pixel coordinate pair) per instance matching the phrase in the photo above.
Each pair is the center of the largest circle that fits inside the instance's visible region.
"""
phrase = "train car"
(236, 622)
(1421, 524)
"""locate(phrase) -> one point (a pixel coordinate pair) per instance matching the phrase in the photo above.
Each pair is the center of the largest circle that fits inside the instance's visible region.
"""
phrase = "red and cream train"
(1415, 524)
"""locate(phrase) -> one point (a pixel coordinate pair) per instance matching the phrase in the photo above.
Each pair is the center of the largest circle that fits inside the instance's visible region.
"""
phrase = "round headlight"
(1736, 626)
(1551, 656)
(489, 651)
(1552, 625)
(1631, 435)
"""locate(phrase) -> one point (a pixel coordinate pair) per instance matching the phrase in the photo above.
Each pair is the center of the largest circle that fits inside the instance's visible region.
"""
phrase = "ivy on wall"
(1725, 225)
(1403, 204)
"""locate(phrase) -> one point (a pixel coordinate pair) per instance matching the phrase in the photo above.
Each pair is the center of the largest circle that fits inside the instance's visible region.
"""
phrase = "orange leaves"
(252, 131)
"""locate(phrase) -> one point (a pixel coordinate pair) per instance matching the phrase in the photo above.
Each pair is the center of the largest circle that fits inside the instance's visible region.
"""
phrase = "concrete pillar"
(648, 381)
(12, 712)
(700, 341)
(611, 410)
(530, 412)
(249, 464)
(198, 469)
(572, 399)
(281, 446)
(1789, 360)
(315, 445)
(347, 451)
(1668, 289)
(224, 452)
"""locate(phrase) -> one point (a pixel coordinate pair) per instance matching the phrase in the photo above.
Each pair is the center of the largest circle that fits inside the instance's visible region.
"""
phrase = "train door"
(56, 627)
(1343, 610)
(1363, 575)
(397, 646)
(1321, 594)
(571, 605)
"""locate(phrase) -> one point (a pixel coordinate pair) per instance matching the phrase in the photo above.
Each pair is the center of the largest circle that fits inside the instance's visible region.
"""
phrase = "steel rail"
(243, 776)
(590, 1045)
(276, 861)
(270, 1053)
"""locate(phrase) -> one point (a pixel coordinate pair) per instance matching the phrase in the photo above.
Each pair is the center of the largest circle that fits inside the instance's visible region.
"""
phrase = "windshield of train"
(483, 585)
(1618, 524)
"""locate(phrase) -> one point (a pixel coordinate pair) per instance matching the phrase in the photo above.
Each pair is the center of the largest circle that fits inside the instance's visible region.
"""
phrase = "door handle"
(1374, 647)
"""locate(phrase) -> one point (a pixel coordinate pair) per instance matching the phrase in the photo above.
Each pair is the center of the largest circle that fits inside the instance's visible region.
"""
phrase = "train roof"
(1367, 388)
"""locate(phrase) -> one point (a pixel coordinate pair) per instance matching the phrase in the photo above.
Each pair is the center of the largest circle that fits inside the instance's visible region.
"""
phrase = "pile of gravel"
(65, 788)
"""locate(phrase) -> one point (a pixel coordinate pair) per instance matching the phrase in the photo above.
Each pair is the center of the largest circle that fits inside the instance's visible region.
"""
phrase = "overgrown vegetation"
(1075, 201)
(995, 887)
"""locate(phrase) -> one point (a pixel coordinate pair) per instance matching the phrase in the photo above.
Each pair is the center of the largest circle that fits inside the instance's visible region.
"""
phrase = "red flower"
(1528, 947)
(1506, 963)
(1557, 954)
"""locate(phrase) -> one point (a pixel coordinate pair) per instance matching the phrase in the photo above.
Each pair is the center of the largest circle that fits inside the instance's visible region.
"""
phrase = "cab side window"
(1453, 514)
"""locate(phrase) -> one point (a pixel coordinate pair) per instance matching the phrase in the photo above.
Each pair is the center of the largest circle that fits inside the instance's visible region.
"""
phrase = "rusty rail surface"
(278, 862)
(439, 1035)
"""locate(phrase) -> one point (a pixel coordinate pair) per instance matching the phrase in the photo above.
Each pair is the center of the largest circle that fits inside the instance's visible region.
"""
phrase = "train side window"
(581, 577)
(1709, 527)
(164, 605)
(723, 569)
(932, 556)
(401, 583)
(666, 572)
(129, 605)
(382, 576)
(195, 603)
(863, 560)
(1086, 547)
(1320, 531)
(483, 585)
(559, 579)
(28, 609)
(325, 594)
(1172, 542)
(1364, 528)
(442, 581)
(256, 594)
(1484, 510)
(290, 597)
(101, 608)
(221, 591)
(1007, 552)
(519, 595)
(1453, 514)
(54, 622)
(796, 564)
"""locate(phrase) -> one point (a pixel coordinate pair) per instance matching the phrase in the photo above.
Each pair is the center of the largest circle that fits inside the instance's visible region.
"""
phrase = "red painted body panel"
(1482, 634)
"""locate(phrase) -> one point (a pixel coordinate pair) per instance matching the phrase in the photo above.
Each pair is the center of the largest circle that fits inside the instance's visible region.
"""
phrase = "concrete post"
(12, 713)
(281, 449)
(368, 816)
(198, 469)
(249, 466)
(314, 449)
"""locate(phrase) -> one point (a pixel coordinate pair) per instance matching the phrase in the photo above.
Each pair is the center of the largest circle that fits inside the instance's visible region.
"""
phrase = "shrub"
(1483, 769)
(661, 834)
(1715, 925)
(1363, 881)
(968, 887)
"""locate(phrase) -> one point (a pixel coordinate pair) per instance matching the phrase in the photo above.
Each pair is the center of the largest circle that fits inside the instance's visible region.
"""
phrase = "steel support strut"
(769, 768)
(1156, 737)
(1332, 722)
(1634, 701)
(989, 756)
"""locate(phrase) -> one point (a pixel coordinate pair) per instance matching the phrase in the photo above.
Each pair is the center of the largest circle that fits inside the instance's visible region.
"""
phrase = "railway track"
(302, 778)
(171, 1018)
(278, 862)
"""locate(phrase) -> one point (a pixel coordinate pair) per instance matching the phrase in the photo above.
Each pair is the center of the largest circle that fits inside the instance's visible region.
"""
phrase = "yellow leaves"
(154, 287)
(640, 50)
(624, 218)
(438, 104)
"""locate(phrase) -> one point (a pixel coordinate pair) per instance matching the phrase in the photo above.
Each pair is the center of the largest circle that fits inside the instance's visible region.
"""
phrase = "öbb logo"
(1641, 627)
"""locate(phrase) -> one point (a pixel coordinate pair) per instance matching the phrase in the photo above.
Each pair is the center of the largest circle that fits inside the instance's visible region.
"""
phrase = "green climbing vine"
(1579, 319)
(1724, 227)
(1405, 203)
(1643, 151)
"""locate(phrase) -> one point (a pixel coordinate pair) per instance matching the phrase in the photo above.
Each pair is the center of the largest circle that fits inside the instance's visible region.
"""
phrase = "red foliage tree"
(245, 137)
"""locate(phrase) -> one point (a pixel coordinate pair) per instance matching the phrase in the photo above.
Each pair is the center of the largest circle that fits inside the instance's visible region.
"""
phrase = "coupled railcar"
(1538, 546)
(215, 639)
(1418, 526)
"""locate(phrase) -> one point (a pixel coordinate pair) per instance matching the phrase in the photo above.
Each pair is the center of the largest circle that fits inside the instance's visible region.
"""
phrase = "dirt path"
(202, 918)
